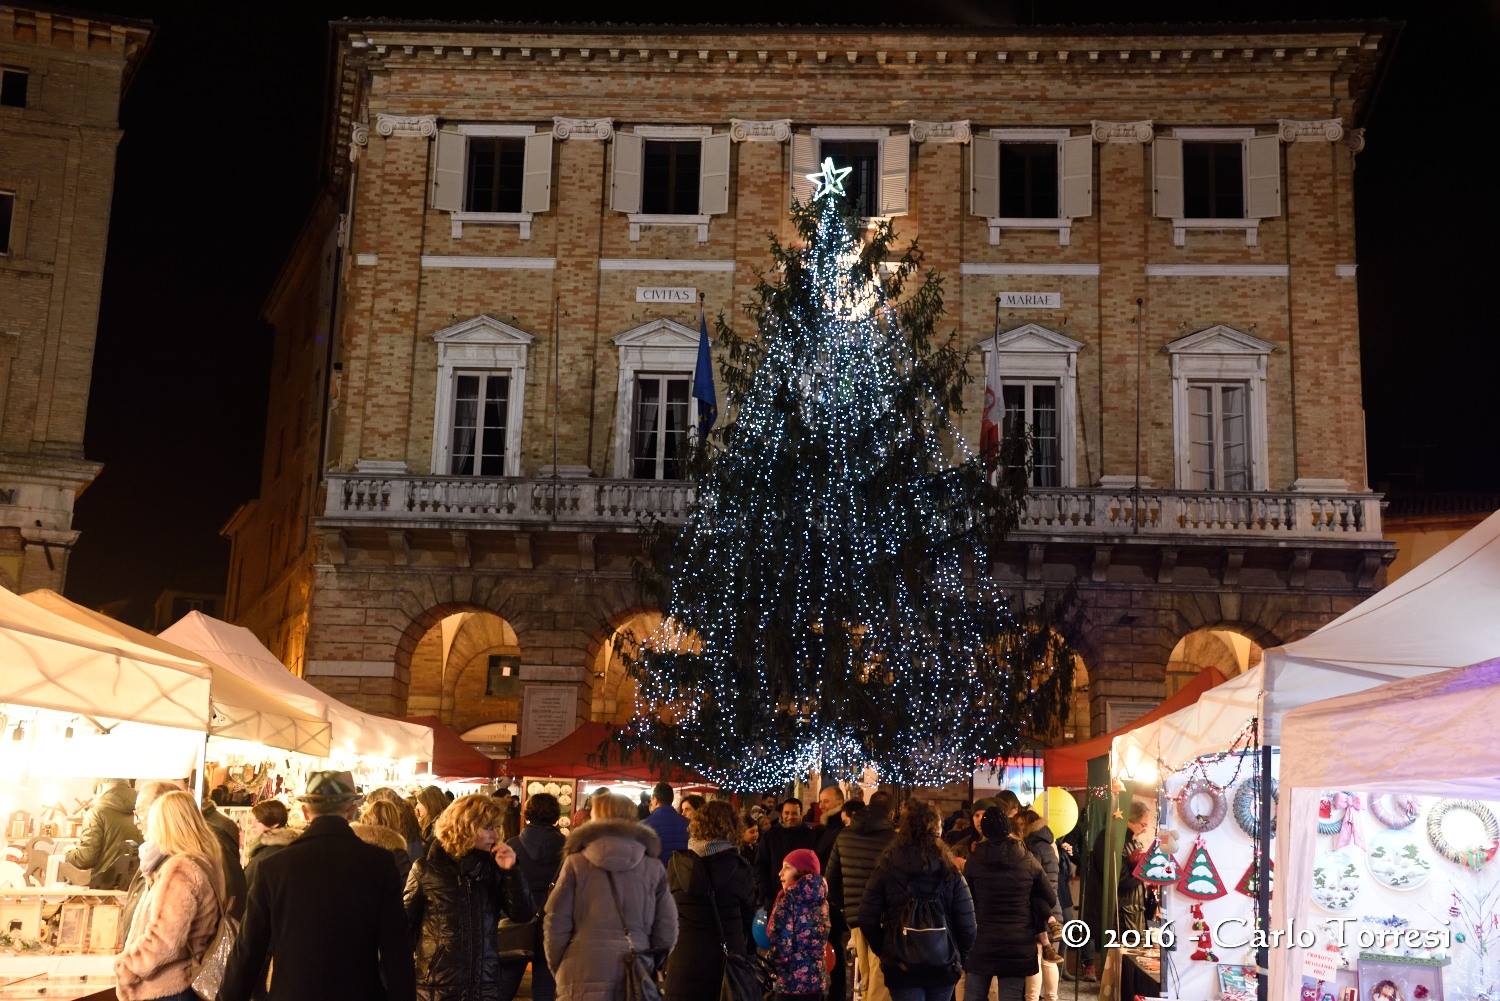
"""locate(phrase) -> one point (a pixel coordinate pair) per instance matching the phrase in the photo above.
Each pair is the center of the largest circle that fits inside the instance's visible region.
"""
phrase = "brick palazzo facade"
(441, 441)
(61, 78)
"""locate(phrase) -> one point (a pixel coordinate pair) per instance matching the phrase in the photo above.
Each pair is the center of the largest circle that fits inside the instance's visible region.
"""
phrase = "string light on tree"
(831, 575)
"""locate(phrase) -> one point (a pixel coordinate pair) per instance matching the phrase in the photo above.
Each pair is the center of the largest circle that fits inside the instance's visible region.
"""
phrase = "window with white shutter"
(625, 179)
(671, 175)
(879, 161)
(804, 162)
(1216, 179)
(1032, 179)
(491, 174)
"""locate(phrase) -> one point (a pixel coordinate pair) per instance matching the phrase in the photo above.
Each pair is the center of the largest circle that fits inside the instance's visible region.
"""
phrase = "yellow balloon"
(1059, 809)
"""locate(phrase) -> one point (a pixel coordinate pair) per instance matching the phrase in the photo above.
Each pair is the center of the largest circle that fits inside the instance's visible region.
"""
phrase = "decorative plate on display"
(535, 788)
(1396, 860)
(1336, 880)
(552, 788)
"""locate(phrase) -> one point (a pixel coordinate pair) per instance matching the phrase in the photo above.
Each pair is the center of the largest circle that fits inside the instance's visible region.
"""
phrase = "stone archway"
(465, 669)
(1225, 648)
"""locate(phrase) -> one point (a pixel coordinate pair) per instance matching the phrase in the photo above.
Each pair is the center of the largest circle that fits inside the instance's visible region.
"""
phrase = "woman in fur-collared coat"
(611, 866)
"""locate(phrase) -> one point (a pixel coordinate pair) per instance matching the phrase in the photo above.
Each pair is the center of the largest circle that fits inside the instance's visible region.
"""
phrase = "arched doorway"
(612, 689)
(466, 670)
(1222, 647)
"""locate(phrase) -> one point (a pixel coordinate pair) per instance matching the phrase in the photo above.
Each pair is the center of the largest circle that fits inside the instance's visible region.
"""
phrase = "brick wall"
(371, 596)
(57, 157)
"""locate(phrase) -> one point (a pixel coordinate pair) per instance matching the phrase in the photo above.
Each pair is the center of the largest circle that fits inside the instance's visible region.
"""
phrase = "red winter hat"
(803, 860)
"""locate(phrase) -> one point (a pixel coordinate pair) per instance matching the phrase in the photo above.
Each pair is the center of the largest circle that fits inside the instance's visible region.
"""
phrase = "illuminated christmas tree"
(828, 598)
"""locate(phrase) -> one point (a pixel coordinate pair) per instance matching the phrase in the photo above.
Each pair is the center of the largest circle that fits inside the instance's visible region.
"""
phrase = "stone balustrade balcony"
(617, 504)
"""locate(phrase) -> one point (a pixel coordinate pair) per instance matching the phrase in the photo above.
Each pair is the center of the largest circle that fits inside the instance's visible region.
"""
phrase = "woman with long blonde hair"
(182, 907)
(455, 897)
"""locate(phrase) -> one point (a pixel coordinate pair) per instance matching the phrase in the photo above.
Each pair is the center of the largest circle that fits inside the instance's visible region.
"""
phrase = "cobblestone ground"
(1066, 990)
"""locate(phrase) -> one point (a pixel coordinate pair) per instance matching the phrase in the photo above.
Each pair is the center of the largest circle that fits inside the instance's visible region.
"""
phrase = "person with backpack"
(1012, 899)
(109, 835)
(798, 929)
(916, 911)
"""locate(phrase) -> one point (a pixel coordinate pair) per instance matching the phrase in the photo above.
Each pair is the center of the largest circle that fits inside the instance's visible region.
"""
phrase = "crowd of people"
(443, 899)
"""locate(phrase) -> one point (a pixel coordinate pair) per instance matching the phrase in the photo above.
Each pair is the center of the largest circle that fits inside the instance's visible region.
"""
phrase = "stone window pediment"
(1212, 370)
(485, 346)
(660, 347)
(1033, 355)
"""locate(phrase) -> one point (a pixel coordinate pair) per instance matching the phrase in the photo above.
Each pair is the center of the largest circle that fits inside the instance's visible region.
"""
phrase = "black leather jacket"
(453, 907)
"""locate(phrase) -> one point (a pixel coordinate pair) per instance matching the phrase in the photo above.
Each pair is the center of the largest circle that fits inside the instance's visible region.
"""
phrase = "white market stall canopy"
(241, 710)
(354, 732)
(1439, 616)
(50, 662)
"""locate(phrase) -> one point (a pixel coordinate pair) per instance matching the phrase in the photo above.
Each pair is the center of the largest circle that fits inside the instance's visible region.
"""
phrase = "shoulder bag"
(640, 977)
(516, 941)
(211, 966)
(741, 981)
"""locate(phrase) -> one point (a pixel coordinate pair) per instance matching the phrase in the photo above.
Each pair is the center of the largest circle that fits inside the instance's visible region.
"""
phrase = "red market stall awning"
(452, 756)
(1068, 766)
(577, 756)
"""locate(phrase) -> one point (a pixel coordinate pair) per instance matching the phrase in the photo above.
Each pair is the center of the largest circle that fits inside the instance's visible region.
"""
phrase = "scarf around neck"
(699, 846)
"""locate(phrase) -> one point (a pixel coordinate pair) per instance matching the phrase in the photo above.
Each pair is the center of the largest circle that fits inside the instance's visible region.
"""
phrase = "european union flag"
(703, 381)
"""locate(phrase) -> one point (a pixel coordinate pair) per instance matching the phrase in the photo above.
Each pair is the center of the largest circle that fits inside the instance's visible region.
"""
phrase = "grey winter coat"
(584, 939)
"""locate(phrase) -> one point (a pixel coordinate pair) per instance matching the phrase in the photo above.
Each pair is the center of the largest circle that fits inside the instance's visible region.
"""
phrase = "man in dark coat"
(228, 833)
(851, 863)
(830, 812)
(774, 847)
(539, 851)
(109, 834)
(324, 917)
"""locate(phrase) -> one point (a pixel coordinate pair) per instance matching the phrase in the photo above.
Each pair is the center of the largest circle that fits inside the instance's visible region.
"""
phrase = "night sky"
(221, 160)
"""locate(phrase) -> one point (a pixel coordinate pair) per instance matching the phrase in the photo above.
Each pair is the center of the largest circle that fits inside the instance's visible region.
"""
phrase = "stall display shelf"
(565, 789)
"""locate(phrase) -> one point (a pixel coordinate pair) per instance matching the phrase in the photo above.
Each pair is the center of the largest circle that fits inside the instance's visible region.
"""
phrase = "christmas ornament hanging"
(1249, 883)
(1477, 851)
(1187, 805)
(1200, 878)
(1157, 866)
(1395, 811)
(1247, 805)
(1204, 953)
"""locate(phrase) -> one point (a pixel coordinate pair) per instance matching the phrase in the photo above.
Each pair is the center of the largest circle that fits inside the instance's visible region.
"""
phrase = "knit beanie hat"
(804, 860)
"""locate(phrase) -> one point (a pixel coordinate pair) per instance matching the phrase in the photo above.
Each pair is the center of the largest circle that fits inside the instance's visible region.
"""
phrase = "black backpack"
(916, 933)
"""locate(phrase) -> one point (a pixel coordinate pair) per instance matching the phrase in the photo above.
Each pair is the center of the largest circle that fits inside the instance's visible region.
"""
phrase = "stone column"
(1124, 193)
(391, 333)
(1324, 349)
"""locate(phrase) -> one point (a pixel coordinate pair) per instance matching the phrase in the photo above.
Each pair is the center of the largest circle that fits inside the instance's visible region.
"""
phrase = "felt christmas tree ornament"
(1248, 882)
(1200, 878)
(1156, 866)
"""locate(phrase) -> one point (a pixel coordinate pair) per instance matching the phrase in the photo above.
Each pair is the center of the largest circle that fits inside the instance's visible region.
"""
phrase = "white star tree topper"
(829, 180)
